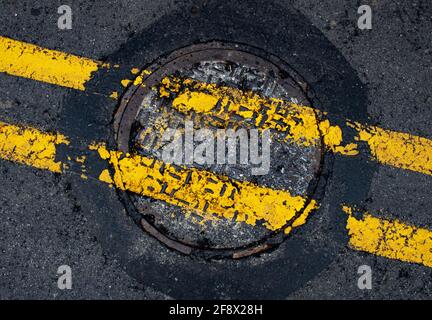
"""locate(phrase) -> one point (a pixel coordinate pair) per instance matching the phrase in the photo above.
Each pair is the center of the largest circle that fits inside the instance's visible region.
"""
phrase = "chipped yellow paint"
(125, 82)
(202, 191)
(30, 61)
(300, 123)
(301, 219)
(138, 79)
(212, 196)
(114, 95)
(401, 150)
(397, 149)
(30, 146)
(332, 136)
(81, 159)
(390, 239)
(135, 70)
(106, 177)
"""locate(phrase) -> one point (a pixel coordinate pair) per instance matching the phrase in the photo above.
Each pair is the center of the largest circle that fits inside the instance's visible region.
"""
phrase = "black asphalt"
(381, 76)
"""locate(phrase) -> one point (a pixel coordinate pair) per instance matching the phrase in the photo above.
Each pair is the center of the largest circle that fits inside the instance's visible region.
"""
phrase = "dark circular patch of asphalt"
(333, 87)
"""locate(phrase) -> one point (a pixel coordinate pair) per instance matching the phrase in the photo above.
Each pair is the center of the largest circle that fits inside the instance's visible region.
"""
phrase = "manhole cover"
(228, 121)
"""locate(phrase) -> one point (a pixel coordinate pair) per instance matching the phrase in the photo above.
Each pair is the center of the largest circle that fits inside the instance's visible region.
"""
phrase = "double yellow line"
(204, 192)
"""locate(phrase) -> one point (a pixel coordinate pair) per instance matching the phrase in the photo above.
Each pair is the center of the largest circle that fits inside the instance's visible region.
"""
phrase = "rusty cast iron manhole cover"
(220, 87)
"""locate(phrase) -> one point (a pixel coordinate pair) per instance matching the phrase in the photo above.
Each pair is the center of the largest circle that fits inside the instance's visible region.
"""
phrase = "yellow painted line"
(203, 192)
(398, 149)
(300, 123)
(30, 146)
(30, 61)
(208, 194)
(390, 239)
(33, 62)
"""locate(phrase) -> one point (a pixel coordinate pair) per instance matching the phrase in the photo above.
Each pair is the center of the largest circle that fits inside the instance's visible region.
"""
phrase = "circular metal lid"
(223, 124)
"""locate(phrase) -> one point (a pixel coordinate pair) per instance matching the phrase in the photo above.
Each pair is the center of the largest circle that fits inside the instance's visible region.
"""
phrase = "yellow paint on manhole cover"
(236, 170)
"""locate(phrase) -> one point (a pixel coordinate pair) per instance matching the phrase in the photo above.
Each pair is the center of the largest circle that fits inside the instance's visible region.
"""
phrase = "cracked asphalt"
(49, 220)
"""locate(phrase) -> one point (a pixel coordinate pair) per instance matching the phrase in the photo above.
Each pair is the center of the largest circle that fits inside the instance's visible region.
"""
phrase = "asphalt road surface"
(48, 219)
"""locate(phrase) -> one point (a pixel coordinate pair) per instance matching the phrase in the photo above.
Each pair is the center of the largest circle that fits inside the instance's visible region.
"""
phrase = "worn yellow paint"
(106, 177)
(30, 146)
(139, 79)
(125, 82)
(390, 239)
(202, 191)
(302, 218)
(210, 195)
(332, 136)
(135, 70)
(30, 61)
(114, 95)
(81, 159)
(397, 149)
(300, 123)
(401, 150)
